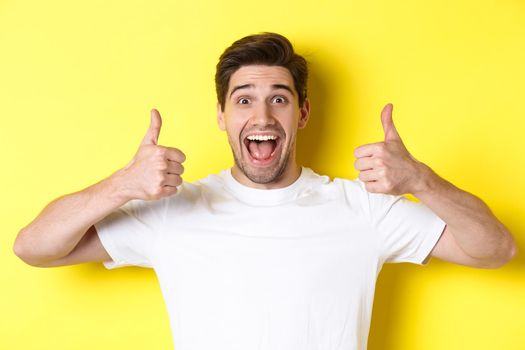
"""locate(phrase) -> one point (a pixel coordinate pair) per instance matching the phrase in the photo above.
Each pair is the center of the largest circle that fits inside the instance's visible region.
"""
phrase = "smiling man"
(261, 116)
(267, 254)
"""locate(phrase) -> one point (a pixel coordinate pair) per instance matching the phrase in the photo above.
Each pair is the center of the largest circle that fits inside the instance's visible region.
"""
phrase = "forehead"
(260, 75)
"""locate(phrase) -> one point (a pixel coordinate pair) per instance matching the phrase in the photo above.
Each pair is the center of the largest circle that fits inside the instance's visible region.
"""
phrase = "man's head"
(269, 49)
(261, 90)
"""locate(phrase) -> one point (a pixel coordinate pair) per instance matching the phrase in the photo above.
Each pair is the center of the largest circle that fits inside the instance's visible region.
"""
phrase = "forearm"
(475, 228)
(58, 228)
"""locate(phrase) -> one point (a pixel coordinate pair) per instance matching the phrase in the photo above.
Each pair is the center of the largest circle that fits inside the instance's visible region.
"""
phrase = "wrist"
(116, 189)
(426, 180)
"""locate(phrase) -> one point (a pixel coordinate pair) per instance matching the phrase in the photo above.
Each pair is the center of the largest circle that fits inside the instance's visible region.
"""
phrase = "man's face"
(261, 117)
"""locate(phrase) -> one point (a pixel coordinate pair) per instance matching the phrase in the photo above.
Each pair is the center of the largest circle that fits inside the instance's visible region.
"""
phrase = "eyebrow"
(274, 87)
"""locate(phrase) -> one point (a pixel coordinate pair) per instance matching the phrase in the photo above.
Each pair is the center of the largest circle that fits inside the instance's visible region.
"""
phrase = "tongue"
(261, 150)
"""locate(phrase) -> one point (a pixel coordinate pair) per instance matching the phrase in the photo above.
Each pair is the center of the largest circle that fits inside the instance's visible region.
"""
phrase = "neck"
(289, 176)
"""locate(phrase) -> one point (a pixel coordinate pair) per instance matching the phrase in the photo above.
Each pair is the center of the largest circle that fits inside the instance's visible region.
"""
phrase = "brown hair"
(266, 48)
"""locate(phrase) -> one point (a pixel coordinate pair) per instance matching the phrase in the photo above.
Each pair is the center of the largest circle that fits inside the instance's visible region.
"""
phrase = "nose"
(262, 115)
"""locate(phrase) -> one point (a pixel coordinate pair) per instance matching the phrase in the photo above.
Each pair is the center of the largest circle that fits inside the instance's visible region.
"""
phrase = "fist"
(387, 167)
(155, 171)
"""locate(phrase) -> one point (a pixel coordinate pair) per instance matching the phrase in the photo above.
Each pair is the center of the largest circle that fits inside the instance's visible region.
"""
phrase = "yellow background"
(77, 81)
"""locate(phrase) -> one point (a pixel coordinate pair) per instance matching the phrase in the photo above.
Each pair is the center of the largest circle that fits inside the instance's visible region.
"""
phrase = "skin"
(263, 108)
(154, 172)
(473, 236)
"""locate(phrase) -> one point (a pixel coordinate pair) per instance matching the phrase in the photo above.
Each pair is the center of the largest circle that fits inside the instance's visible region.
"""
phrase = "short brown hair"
(266, 48)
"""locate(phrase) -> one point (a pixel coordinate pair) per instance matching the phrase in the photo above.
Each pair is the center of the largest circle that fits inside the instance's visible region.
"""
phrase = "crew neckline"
(261, 196)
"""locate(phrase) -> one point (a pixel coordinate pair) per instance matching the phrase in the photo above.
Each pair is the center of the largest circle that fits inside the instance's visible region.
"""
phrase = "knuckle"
(389, 174)
(170, 190)
(182, 156)
(160, 151)
(159, 177)
(149, 149)
(156, 193)
(177, 155)
(175, 168)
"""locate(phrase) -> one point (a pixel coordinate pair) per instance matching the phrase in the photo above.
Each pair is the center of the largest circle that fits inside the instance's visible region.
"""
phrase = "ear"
(220, 117)
(304, 113)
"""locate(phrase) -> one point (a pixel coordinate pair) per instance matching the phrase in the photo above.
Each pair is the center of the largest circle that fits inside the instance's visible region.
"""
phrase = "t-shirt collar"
(258, 196)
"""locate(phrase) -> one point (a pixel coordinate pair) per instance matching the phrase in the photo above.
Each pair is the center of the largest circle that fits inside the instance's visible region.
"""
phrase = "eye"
(279, 99)
(243, 101)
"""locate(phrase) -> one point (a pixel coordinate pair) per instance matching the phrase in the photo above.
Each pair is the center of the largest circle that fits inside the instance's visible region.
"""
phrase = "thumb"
(152, 135)
(391, 133)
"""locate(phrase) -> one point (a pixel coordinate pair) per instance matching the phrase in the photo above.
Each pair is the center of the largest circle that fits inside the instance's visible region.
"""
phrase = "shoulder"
(352, 191)
(191, 193)
(355, 189)
(352, 187)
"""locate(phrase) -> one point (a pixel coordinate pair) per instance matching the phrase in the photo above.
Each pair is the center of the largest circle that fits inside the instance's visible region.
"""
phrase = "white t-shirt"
(292, 268)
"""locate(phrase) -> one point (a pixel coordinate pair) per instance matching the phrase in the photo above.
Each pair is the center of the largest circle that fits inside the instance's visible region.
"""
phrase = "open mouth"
(262, 150)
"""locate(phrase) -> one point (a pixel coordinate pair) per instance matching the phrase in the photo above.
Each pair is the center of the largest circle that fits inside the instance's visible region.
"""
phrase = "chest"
(300, 250)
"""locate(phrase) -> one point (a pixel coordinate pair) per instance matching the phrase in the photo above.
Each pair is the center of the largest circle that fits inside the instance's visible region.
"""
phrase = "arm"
(63, 233)
(57, 230)
(473, 235)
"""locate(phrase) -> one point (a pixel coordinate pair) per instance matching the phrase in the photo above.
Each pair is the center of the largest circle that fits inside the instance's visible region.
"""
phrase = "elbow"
(513, 251)
(506, 254)
(20, 252)
(18, 246)
(24, 251)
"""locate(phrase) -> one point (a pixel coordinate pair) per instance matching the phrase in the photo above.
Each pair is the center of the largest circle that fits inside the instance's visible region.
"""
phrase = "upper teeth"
(261, 137)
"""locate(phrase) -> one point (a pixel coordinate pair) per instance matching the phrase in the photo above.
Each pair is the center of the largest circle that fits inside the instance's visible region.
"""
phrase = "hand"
(154, 172)
(387, 167)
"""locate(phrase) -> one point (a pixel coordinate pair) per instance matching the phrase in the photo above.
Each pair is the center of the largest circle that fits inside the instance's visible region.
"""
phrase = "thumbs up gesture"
(387, 167)
(155, 171)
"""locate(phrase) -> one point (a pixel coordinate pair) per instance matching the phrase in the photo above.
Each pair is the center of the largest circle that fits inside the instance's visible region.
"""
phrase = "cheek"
(287, 115)
(237, 119)
(290, 125)
(234, 134)
(232, 123)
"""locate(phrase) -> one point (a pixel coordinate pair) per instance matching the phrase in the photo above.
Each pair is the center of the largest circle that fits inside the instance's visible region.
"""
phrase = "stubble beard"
(263, 175)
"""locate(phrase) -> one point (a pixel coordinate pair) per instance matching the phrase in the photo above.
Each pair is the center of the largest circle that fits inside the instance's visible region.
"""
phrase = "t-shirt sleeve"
(406, 230)
(128, 234)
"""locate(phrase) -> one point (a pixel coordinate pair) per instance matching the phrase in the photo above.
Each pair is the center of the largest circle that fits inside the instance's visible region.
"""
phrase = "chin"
(261, 178)
(264, 174)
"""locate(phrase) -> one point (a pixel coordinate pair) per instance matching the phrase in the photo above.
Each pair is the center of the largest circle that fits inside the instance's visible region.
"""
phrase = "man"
(267, 254)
